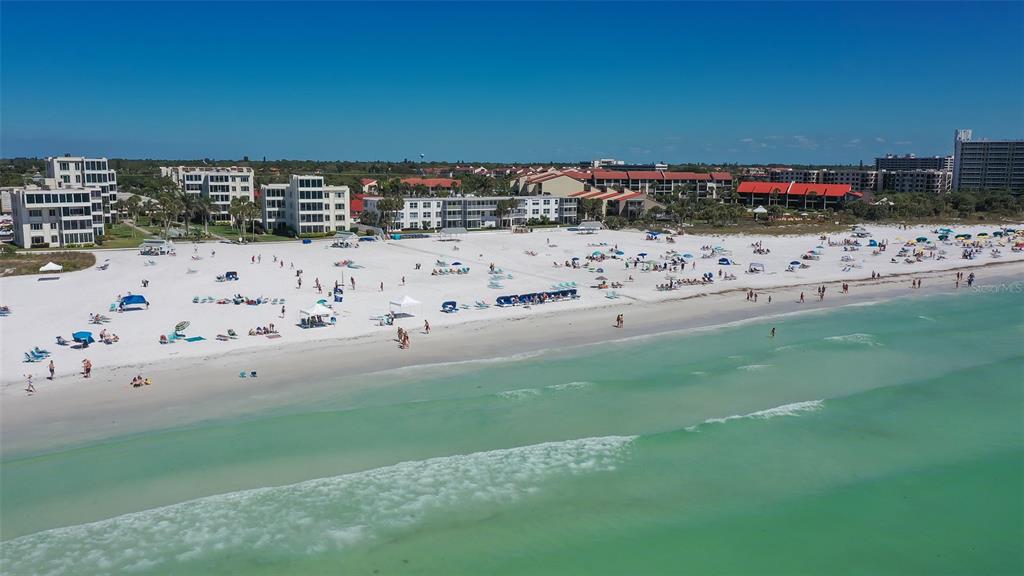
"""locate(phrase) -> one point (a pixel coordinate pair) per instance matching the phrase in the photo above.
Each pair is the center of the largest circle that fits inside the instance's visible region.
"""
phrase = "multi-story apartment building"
(920, 181)
(81, 172)
(220, 184)
(892, 162)
(306, 206)
(477, 211)
(54, 217)
(859, 180)
(987, 164)
(793, 175)
(662, 182)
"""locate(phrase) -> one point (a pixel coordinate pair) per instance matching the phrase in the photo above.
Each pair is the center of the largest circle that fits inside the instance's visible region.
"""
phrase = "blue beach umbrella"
(83, 337)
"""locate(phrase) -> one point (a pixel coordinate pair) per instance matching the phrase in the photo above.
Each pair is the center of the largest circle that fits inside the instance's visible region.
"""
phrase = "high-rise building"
(987, 164)
(911, 162)
(220, 184)
(305, 205)
(81, 172)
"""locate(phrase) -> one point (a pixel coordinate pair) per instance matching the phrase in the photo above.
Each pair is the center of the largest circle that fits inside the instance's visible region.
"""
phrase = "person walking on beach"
(801, 297)
(352, 281)
(282, 311)
(52, 369)
(426, 326)
(29, 387)
(86, 368)
(381, 286)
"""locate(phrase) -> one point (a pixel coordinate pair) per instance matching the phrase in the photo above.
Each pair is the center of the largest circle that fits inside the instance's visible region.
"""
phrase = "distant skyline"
(529, 82)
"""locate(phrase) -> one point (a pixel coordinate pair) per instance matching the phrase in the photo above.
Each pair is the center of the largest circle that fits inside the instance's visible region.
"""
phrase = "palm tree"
(204, 207)
(239, 211)
(132, 206)
(502, 209)
(171, 206)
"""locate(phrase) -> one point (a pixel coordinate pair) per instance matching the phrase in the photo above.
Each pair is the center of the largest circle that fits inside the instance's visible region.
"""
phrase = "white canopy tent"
(317, 309)
(51, 267)
(404, 305)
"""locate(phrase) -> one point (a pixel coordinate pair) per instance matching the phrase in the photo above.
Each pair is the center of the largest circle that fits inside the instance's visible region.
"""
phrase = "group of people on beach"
(403, 338)
(139, 381)
(960, 278)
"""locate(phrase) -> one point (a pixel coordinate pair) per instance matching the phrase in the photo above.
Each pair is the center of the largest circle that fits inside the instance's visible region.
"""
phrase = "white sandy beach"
(203, 371)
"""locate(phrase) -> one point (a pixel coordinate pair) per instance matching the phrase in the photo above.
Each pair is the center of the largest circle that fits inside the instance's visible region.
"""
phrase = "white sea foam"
(793, 409)
(570, 386)
(864, 339)
(519, 394)
(928, 318)
(310, 517)
(753, 367)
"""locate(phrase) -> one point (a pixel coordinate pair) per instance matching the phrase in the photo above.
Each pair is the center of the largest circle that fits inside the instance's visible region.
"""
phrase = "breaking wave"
(793, 409)
(864, 339)
(310, 517)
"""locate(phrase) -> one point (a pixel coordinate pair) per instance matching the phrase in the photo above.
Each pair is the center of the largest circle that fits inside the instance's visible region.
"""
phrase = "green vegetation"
(13, 263)
(121, 236)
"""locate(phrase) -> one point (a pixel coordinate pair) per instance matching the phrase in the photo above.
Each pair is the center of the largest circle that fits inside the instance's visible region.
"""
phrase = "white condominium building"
(478, 211)
(55, 217)
(81, 172)
(306, 206)
(220, 184)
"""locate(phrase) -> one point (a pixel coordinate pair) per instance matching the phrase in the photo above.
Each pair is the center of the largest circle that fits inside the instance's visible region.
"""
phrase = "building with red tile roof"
(794, 194)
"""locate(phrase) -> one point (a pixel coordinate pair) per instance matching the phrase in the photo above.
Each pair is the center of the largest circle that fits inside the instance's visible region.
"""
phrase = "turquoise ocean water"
(878, 439)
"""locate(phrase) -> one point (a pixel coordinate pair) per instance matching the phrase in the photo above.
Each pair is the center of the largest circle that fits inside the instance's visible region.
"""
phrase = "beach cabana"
(316, 315)
(51, 267)
(133, 300)
(404, 305)
(755, 268)
(725, 262)
(759, 210)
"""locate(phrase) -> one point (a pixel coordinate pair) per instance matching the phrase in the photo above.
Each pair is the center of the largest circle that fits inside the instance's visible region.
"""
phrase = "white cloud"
(879, 139)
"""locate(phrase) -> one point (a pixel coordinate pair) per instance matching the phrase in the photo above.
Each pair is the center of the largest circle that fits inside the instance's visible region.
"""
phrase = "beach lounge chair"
(232, 334)
(31, 358)
(195, 299)
(223, 337)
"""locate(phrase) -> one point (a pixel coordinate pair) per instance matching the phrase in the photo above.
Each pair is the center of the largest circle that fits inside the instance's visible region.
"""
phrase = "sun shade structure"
(133, 300)
(316, 310)
(84, 337)
(51, 267)
(404, 305)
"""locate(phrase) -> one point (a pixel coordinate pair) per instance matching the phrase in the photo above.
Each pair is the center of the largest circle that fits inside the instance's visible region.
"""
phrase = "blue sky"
(728, 82)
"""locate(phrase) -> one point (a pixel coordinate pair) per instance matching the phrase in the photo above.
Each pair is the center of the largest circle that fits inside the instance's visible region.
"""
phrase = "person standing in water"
(773, 331)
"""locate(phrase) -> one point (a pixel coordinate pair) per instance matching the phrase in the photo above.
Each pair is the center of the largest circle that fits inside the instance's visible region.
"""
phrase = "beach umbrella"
(600, 278)
(922, 239)
(642, 254)
(595, 253)
(619, 252)
(51, 267)
(181, 326)
(963, 236)
(83, 336)
(998, 233)
(980, 234)
(688, 256)
(575, 257)
(794, 263)
(456, 263)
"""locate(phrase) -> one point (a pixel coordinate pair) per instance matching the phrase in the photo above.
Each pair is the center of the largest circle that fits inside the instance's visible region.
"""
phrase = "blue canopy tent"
(132, 300)
(724, 262)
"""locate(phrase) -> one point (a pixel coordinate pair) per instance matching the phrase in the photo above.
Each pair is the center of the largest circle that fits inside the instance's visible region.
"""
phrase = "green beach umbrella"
(181, 326)
(922, 238)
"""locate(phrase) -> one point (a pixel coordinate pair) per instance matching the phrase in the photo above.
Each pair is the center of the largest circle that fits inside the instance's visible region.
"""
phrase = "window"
(36, 226)
(35, 213)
